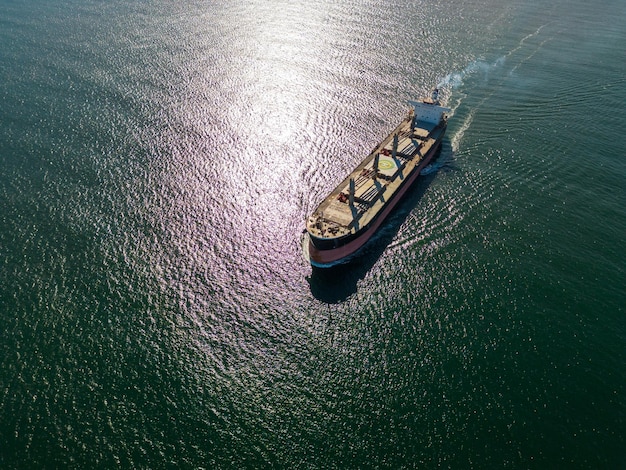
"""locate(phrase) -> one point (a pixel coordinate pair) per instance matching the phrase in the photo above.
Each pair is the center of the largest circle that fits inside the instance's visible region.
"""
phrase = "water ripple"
(159, 161)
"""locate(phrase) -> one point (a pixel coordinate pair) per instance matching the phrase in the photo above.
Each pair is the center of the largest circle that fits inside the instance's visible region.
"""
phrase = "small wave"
(525, 38)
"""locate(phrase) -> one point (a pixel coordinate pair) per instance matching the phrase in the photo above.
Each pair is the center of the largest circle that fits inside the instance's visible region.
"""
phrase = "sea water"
(157, 163)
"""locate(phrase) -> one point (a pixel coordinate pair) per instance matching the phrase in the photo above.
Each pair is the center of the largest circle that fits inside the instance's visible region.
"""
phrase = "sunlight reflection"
(275, 94)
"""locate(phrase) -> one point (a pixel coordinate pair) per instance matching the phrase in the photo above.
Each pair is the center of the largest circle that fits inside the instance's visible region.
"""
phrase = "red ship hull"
(328, 257)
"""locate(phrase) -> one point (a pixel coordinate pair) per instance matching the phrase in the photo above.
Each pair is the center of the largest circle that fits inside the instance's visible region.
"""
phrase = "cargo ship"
(348, 217)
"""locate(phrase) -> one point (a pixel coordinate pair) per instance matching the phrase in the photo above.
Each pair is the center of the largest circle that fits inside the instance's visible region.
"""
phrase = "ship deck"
(338, 216)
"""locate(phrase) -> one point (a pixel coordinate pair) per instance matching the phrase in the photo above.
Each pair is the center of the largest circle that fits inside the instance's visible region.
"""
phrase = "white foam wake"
(455, 79)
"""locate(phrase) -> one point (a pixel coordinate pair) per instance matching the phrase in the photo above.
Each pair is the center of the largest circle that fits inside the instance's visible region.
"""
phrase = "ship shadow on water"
(337, 283)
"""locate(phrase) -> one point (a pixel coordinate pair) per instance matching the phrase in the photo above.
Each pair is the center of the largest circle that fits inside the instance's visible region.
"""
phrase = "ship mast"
(375, 166)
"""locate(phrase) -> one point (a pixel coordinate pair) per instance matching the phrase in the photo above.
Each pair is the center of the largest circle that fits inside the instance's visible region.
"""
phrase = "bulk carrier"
(352, 213)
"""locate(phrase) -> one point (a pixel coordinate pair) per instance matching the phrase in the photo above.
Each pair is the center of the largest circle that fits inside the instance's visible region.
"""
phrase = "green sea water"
(158, 161)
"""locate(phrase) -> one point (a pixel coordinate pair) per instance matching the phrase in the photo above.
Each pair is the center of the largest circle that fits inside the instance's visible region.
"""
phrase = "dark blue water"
(158, 161)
